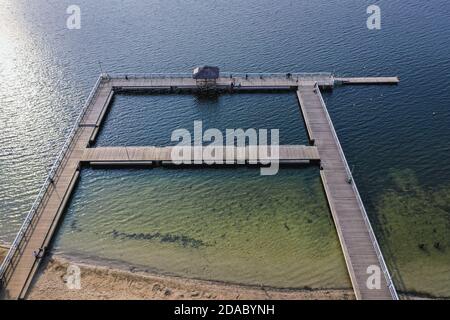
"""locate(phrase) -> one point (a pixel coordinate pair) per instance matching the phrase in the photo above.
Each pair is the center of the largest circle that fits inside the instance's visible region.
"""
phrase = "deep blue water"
(49, 70)
(150, 120)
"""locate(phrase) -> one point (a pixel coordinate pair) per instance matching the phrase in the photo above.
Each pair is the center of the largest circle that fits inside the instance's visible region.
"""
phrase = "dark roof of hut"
(205, 72)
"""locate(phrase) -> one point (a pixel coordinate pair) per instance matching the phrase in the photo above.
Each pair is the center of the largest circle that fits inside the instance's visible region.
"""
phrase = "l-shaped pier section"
(360, 247)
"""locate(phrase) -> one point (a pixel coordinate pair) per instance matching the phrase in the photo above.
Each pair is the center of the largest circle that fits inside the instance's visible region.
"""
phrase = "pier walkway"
(38, 228)
(240, 81)
(248, 154)
(355, 233)
(365, 81)
(358, 242)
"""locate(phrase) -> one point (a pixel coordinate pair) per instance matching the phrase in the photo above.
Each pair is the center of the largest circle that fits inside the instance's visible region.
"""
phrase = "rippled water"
(219, 224)
(147, 120)
(46, 72)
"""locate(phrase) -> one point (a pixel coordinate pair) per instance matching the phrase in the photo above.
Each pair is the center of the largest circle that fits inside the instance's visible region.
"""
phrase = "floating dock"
(361, 250)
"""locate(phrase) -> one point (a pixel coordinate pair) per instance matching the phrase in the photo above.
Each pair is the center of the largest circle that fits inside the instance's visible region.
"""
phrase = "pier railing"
(303, 75)
(300, 75)
(380, 257)
(14, 250)
(149, 75)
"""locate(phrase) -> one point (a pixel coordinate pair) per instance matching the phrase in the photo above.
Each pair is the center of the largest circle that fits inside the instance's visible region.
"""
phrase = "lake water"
(396, 138)
(217, 224)
(149, 120)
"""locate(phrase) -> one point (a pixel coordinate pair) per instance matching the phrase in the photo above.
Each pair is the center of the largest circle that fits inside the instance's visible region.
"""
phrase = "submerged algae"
(219, 224)
(416, 234)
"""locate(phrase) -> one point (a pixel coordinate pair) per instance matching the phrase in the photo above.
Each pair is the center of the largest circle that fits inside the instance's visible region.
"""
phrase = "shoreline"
(103, 281)
(99, 281)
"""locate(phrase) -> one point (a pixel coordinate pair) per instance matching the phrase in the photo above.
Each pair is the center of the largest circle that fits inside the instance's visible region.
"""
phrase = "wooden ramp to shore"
(354, 230)
(37, 231)
(359, 245)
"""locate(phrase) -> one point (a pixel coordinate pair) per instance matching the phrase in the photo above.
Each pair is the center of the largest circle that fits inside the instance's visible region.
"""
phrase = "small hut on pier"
(206, 76)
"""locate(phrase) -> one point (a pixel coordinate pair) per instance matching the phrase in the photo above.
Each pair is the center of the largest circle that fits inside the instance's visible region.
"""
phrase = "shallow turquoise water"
(216, 224)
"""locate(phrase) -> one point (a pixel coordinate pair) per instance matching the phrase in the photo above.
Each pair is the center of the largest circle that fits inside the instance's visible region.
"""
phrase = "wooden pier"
(36, 233)
(196, 155)
(366, 81)
(243, 82)
(358, 242)
(354, 230)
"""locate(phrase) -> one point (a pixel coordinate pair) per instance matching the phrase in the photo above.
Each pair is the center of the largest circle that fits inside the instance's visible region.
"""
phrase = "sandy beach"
(101, 282)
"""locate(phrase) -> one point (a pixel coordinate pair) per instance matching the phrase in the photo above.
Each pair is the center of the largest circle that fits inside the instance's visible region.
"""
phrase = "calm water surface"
(149, 120)
(217, 224)
(395, 137)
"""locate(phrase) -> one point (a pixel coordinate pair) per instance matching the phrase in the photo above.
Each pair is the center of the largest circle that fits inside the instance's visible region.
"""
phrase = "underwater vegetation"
(218, 224)
(415, 224)
(167, 237)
